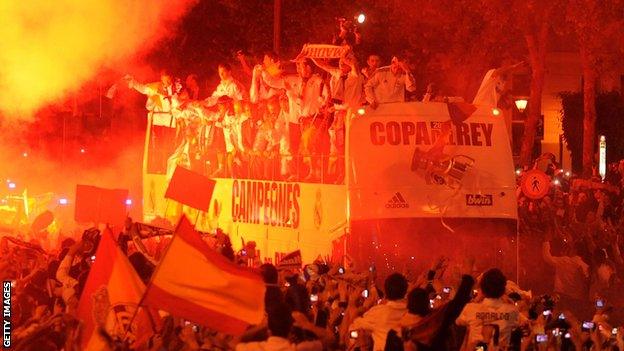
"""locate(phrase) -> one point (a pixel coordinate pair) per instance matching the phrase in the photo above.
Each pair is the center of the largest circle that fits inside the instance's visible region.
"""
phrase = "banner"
(198, 284)
(322, 51)
(431, 160)
(190, 188)
(99, 205)
(290, 261)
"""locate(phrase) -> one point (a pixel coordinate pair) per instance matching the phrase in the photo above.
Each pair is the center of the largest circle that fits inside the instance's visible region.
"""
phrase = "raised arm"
(369, 90)
(410, 82)
(243, 61)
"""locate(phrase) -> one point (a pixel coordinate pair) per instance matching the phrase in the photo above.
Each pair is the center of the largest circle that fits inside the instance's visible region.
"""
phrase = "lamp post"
(521, 104)
(277, 25)
(602, 163)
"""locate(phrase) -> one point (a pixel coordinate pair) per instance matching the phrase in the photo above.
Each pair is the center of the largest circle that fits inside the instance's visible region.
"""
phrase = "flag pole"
(149, 283)
(197, 218)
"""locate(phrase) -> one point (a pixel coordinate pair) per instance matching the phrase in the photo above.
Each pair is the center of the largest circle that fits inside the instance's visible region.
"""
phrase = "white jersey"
(489, 311)
(386, 86)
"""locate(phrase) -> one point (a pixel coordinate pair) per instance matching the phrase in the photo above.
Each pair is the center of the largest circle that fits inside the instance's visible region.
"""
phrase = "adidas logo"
(397, 201)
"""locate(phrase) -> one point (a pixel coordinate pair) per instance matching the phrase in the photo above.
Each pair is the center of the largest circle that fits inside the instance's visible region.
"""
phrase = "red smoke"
(49, 48)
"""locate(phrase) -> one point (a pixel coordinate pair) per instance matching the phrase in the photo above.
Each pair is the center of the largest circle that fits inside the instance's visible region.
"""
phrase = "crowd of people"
(282, 126)
(454, 305)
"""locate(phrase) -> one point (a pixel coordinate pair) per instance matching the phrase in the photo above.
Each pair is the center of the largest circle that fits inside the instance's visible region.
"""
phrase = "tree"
(609, 111)
(596, 24)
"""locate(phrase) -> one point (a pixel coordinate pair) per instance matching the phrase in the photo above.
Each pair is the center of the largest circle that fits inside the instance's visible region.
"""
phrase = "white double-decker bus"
(423, 180)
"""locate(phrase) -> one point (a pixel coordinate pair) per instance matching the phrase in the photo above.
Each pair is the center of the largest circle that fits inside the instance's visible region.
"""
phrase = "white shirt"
(275, 343)
(160, 102)
(259, 90)
(385, 86)
(282, 132)
(231, 88)
(380, 320)
(571, 273)
(349, 89)
(304, 99)
(266, 139)
(489, 90)
(230, 131)
(489, 311)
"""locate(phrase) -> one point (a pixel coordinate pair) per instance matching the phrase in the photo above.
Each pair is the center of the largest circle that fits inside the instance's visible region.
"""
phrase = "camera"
(587, 325)
(541, 338)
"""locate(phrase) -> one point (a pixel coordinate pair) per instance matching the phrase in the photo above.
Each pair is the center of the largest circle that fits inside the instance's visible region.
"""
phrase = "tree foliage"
(609, 112)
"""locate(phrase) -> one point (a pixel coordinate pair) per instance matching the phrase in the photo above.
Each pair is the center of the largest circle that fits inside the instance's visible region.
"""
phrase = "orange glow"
(49, 48)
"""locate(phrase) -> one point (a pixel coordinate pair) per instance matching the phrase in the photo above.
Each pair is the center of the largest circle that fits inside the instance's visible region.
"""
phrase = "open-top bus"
(422, 180)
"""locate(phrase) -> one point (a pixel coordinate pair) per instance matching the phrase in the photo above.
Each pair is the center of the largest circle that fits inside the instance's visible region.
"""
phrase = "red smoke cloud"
(49, 48)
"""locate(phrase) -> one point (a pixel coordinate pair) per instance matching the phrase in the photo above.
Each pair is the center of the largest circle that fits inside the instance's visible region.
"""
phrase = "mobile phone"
(438, 297)
(567, 335)
(93, 258)
(589, 325)
(547, 312)
(599, 303)
(431, 302)
(187, 323)
(562, 316)
(353, 334)
(341, 270)
(287, 284)
(365, 293)
(314, 298)
(475, 292)
(195, 328)
(446, 289)
(556, 332)
(541, 338)
(614, 331)
(371, 268)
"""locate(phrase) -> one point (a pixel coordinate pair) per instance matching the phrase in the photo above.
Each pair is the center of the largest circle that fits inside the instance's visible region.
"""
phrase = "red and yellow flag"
(110, 298)
(196, 283)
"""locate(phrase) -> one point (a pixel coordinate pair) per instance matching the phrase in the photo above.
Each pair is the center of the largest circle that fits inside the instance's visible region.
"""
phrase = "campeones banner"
(411, 160)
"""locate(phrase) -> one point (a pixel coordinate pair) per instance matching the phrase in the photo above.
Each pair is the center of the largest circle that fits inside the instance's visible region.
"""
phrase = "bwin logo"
(397, 201)
(478, 200)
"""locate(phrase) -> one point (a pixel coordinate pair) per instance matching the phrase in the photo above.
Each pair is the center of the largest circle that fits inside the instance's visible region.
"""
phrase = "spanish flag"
(110, 299)
(198, 284)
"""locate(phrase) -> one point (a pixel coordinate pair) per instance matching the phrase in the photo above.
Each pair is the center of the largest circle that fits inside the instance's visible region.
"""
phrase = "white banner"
(278, 216)
(410, 160)
(322, 51)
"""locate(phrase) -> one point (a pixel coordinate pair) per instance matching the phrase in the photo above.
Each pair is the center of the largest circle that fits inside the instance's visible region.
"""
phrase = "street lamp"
(360, 18)
(521, 104)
